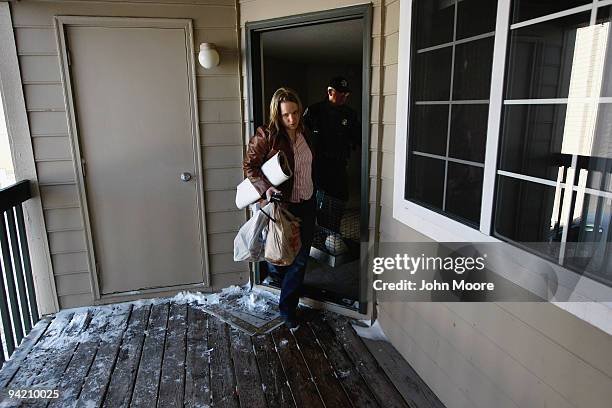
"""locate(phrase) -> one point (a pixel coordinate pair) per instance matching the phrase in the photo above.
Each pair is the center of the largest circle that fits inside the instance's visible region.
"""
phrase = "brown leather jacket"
(262, 147)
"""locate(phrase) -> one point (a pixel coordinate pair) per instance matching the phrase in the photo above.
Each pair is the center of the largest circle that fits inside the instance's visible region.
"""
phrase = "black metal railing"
(18, 311)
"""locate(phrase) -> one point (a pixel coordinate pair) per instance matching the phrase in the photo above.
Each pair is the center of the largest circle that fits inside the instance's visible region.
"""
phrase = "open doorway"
(305, 53)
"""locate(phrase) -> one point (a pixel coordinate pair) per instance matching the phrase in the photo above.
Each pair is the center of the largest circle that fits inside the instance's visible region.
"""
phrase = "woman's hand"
(271, 191)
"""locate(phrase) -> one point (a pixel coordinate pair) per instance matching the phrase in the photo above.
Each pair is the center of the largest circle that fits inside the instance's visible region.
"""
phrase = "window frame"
(431, 223)
(440, 227)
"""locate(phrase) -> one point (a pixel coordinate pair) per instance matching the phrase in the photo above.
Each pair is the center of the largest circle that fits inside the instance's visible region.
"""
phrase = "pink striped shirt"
(302, 171)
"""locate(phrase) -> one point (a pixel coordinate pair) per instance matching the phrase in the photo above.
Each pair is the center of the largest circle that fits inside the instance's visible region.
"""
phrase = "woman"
(286, 132)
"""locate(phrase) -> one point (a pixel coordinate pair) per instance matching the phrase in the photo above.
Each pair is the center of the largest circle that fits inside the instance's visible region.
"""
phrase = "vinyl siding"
(220, 118)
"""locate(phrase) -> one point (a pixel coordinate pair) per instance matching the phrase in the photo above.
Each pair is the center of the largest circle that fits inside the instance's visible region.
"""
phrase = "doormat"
(253, 312)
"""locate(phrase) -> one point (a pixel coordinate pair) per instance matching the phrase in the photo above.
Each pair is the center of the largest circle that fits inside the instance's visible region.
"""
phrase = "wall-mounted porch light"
(208, 56)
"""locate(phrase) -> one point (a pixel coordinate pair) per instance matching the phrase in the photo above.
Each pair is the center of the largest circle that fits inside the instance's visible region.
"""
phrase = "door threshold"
(149, 293)
(323, 305)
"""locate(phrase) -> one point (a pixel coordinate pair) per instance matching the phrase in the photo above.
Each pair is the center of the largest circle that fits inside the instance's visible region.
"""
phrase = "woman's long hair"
(275, 125)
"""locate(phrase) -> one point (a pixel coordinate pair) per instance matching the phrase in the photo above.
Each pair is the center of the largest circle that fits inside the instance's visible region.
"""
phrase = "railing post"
(10, 280)
(6, 317)
(27, 266)
(17, 261)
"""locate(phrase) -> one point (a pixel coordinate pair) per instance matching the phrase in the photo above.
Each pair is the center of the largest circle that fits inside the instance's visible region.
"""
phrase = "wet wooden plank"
(380, 385)
(222, 378)
(274, 381)
(50, 376)
(120, 389)
(300, 381)
(172, 383)
(57, 358)
(249, 384)
(327, 383)
(74, 376)
(347, 374)
(11, 366)
(197, 370)
(402, 375)
(149, 370)
(98, 378)
(37, 358)
(248, 322)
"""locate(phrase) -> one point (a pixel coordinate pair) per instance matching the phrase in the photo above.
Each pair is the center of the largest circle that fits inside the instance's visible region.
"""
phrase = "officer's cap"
(340, 84)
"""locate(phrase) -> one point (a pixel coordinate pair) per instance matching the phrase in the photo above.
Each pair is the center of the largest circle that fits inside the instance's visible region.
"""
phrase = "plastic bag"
(249, 244)
(283, 242)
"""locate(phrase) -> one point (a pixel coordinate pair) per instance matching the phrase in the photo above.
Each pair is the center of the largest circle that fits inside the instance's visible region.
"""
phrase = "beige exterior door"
(134, 114)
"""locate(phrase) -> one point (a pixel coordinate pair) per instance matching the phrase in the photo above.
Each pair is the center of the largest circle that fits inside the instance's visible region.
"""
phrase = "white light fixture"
(208, 56)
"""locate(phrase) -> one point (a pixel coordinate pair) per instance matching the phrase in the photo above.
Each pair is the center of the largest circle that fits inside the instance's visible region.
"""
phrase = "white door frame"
(115, 22)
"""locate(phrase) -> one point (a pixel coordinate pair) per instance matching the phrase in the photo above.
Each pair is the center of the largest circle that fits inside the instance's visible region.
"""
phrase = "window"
(554, 180)
(452, 54)
(505, 126)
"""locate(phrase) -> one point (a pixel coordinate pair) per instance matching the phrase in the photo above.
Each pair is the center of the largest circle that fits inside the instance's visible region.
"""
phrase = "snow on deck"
(171, 352)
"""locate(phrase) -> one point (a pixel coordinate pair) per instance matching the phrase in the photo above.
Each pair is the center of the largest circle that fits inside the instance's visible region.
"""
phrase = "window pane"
(432, 72)
(475, 17)
(604, 18)
(528, 213)
(539, 139)
(544, 58)
(597, 171)
(589, 237)
(429, 124)
(433, 22)
(594, 148)
(604, 14)
(528, 9)
(532, 139)
(468, 136)
(425, 181)
(464, 192)
(473, 62)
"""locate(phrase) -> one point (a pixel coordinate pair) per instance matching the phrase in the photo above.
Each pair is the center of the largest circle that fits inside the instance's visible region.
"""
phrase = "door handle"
(186, 176)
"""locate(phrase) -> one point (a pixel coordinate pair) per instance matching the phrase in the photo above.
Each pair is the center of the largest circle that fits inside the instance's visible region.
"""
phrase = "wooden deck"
(171, 355)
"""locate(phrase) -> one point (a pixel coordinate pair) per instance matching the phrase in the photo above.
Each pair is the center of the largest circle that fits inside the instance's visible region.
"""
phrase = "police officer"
(335, 131)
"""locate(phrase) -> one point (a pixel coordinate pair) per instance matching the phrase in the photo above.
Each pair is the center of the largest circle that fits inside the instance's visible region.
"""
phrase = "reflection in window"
(528, 9)
(426, 181)
(468, 135)
(589, 235)
(463, 191)
(525, 213)
(531, 140)
(433, 69)
(473, 61)
(555, 181)
(475, 17)
(435, 22)
(541, 56)
(429, 133)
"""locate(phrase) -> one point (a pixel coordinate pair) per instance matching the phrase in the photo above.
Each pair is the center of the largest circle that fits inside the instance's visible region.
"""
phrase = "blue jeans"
(292, 276)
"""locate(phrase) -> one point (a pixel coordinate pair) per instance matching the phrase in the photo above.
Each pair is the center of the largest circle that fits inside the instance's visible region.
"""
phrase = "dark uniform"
(335, 131)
